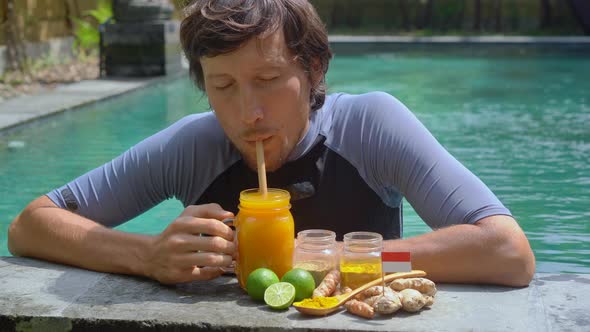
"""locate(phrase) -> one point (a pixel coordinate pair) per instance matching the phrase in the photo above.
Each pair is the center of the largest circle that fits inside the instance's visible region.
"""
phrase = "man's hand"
(180, 254)
(494, 250)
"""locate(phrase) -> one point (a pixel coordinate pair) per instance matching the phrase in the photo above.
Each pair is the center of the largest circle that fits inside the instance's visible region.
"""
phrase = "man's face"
(259, 92)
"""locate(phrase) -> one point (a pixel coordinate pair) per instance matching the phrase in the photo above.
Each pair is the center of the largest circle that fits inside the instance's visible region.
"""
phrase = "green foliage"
(103, 11)
(86, 33)
(87, 36)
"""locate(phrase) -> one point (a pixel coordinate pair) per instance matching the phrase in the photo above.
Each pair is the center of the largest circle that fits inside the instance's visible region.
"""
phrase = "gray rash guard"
(360, 156)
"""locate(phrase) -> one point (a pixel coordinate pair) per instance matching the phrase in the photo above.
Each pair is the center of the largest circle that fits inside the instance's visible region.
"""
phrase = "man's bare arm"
(493, 251)
(42, 230)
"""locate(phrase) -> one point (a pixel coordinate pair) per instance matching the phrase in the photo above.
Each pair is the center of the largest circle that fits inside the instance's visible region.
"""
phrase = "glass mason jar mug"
(317, 252)
(265, 233)
(360, 261)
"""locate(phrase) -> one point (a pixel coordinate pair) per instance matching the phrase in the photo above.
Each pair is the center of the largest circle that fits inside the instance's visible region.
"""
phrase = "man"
(347, 161)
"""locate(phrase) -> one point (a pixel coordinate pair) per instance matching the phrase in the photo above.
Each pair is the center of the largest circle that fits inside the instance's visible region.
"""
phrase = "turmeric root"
(339, 291)
(412, 300)
(328, 285)
(359, 308)
(422, 285)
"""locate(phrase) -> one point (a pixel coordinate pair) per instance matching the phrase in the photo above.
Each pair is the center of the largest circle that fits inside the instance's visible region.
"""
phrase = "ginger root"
(429, 300)
(373, 291)
(386, 305)
(387, 301)
(412, 300)
(328, 285)
(423, 285)
(359, 308)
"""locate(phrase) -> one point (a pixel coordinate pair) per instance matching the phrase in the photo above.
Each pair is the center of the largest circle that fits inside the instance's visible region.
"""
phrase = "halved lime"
(279, 295)
(258, 281)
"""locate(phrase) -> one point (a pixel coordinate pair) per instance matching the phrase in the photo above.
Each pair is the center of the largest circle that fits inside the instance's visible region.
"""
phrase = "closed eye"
(270, 78)
(223, 87)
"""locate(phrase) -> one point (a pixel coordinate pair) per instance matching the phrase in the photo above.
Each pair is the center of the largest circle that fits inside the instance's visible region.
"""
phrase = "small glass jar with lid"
(317, 252)
(360, 261)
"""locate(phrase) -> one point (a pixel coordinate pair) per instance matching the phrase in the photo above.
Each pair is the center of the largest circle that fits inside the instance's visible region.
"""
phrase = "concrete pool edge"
(22, 110)
(482, 40)
(38, 295)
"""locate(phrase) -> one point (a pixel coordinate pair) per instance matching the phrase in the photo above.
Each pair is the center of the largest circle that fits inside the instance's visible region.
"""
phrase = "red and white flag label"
(396, 261)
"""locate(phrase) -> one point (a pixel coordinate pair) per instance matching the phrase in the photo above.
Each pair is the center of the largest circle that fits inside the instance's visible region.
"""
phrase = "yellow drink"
(265, 233)
(357, 273)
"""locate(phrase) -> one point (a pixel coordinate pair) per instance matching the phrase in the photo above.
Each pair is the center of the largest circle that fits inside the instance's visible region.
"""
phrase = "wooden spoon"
(345, 297)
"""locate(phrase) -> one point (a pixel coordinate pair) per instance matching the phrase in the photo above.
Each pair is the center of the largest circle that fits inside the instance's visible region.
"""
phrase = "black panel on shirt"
(327, 193)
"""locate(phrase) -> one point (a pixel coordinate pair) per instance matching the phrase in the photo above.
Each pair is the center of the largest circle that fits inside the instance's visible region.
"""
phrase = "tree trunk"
(546, 13)
(461, 18)
(477, 16)
(581, 11)
(498, 16)
(403, 7)
(427, 18)
(15, 49)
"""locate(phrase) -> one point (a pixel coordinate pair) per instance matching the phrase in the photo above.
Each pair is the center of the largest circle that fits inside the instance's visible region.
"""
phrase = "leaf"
(102, 13)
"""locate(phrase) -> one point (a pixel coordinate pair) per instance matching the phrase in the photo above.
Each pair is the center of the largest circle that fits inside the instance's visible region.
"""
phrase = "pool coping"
(43, 296)
(22, 110)
(527, 40)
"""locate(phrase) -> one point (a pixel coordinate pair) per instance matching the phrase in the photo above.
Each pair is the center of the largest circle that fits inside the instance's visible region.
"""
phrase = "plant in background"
(13, 38)
(86, 33)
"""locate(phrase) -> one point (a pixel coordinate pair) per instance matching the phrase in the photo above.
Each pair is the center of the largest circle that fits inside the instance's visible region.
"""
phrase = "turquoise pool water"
(520, 122)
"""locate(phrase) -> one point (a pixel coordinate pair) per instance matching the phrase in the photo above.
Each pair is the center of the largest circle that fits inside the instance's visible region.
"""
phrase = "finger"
(210, 259)
(206, 273)
(192, 243)
(199, 226)
(212, 210)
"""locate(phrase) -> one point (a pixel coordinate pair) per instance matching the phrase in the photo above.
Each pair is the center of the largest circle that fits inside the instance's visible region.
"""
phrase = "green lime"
(280, 295)
(303, 282)
(258, 281)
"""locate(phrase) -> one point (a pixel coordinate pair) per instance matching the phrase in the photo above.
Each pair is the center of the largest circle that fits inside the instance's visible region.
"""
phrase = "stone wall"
(42, 20)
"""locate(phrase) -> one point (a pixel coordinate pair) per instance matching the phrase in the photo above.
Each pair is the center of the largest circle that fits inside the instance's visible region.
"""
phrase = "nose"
(250, 108)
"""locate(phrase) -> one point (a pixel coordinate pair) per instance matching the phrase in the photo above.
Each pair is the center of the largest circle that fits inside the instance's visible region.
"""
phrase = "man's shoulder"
(201, 126)
(363, 109)
(364, 102)
(205, 121)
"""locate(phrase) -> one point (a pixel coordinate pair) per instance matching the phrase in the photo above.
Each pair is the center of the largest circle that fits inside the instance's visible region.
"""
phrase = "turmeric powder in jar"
(360, 261)
(317, 252)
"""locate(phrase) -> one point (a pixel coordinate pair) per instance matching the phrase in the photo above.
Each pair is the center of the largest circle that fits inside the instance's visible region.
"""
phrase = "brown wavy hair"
(214, 27)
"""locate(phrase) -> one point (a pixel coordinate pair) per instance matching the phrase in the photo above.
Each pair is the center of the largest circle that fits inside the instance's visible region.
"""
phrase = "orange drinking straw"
(261, 168)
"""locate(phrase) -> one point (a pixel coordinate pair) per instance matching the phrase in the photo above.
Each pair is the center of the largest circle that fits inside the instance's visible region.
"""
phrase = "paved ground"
(19, 110)
(41, 296)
